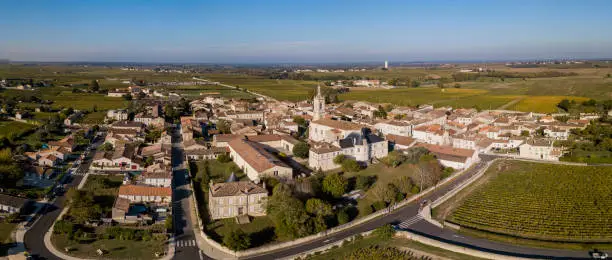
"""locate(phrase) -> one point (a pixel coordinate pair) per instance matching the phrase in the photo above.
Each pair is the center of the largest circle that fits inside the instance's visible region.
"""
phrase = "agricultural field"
(536, 201)
(199, 91)
(86, 101)
(412, 96)
(292, 90)
(12, 129)
(94, 117)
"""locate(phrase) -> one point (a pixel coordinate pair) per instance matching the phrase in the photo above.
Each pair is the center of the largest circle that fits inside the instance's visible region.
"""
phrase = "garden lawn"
(104, 193)
(115, 248)
(261, 229)
(539, 201)
(220, 172)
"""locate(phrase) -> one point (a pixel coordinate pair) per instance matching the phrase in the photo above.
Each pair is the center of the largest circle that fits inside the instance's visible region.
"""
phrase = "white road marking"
(407, 223)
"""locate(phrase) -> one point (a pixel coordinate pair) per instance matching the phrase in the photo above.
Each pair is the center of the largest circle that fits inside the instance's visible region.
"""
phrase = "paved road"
(186, 244)
(33, 239)
(407, 218)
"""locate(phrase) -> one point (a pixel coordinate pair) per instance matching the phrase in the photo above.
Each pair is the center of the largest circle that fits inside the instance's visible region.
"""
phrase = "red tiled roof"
(139, 190)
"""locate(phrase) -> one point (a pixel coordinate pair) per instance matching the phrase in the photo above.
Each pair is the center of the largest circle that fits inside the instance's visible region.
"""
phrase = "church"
(329, 138)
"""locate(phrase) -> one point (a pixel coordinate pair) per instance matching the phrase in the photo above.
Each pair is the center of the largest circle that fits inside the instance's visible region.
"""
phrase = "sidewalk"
(206, 248)
(18, 249)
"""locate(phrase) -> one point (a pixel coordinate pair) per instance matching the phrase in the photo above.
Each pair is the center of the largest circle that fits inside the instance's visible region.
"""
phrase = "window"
(275, 173)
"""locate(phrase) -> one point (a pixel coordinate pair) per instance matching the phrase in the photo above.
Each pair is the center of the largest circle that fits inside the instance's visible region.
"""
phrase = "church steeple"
(318, 104)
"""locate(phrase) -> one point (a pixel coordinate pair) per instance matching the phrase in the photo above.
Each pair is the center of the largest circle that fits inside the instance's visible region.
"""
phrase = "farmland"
(537, 201)
(12, 129)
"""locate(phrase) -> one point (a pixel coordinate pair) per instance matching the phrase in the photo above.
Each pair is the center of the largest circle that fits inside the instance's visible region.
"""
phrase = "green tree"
(564, 104)
(237, 240)
(318, 207)
(350, 165)
(224, 158)
(335, 184)
(525, 133)
(94, 86)
(362, 182)
(127, 97)
(384, 233)
(106, 147)
(339, 159)
(300, 121)
(343, 217)
(288, 213)
(301, 150)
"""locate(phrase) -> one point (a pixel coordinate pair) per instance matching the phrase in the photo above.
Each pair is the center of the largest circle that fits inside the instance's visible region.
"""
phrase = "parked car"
(596, 254)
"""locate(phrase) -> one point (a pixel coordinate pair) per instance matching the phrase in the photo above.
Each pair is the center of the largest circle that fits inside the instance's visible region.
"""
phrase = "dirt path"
(511, 103)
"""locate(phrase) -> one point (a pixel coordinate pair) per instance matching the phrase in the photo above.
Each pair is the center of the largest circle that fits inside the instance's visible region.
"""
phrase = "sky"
(229, 31)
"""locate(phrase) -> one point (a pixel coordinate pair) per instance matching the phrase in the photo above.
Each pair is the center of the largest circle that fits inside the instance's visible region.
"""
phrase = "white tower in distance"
(386, 65)
(318, 105)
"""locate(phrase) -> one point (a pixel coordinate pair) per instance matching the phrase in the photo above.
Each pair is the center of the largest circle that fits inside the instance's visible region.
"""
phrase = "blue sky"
(303, 31)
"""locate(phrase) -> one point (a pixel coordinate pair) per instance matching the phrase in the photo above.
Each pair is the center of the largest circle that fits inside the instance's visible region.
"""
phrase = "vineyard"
(541, 201)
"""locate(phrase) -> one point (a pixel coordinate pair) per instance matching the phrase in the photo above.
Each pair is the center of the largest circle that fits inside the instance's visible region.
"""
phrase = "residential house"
(540, 149)
(449, 156)
(256, 162)
(142, 193)
(232, 199)
(12, 204)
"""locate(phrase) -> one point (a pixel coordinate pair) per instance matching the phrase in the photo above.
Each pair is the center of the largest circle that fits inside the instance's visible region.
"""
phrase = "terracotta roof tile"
(139, 190)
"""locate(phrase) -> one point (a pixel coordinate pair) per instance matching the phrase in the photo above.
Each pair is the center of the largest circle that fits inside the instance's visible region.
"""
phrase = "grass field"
(260, 229)
(412, 96)
(537, 201)
(14, 128)
(115, 248)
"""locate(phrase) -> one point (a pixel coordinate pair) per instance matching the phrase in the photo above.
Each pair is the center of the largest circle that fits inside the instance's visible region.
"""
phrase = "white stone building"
(232, 199)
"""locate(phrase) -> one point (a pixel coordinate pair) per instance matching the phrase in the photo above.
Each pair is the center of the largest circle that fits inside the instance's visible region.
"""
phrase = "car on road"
(596, 254)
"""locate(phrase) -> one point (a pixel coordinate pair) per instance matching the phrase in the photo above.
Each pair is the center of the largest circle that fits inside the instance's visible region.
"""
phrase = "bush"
(379, 205)
(350, 165)
(339, 159)
(362, 182)
(342, 217)
(301, 150)
(385, 232)
(63, 227)
(224, 158)
(237, 240)
(400, 196)
(415, 189)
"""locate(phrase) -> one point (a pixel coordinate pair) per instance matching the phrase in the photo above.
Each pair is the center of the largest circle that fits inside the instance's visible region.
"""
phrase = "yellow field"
(542, 104)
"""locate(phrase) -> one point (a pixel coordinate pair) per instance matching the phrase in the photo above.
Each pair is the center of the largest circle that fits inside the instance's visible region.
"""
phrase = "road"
(186, 244)
(408, 218)
(33, 239)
